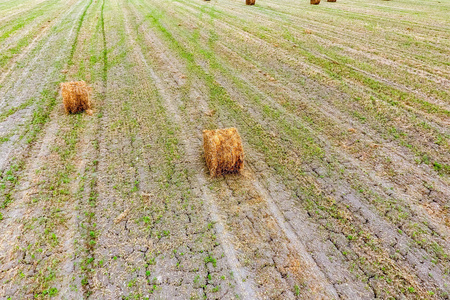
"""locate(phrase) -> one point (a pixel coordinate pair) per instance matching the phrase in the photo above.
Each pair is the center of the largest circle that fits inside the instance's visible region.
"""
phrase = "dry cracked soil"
(344, 113)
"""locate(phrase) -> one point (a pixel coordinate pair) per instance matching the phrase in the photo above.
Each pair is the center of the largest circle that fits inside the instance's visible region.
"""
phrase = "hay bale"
(223, 151)
(331, 0)
(250, 2)
(76, 97)
(315, 2)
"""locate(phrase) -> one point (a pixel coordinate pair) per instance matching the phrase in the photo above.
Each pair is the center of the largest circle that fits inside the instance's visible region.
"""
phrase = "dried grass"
(223, 151)
(122, 216)
(76, 97)
(250, 2)
(315, 2)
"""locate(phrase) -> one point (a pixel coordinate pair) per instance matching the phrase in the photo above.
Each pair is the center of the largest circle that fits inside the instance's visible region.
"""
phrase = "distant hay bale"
(315, 2)
(250, 2)
(223, 151)
(331, 0)
(76, 97)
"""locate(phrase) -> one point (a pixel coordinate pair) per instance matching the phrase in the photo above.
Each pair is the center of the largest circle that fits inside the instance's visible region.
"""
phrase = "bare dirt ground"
(343, 109)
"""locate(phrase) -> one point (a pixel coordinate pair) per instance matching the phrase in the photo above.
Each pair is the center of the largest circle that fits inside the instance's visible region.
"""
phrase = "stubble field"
(343, 109)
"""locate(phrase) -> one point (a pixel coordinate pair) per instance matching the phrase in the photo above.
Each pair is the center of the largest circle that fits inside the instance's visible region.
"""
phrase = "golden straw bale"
(223, 151)
(76, 97)
(315, 2)
(250, 2)
(331, 0)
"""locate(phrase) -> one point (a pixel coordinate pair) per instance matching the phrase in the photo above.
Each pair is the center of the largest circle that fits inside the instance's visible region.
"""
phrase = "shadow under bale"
(76, 97)
(223, 151)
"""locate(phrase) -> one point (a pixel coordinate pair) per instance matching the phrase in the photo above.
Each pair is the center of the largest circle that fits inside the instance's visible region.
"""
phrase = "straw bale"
(223, 151)
(76, 97)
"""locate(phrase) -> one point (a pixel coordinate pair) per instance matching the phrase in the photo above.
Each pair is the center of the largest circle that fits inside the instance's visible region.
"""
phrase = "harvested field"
(343, 111)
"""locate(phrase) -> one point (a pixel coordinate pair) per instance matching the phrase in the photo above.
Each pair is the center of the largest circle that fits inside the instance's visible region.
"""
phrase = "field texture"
(344, 113)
